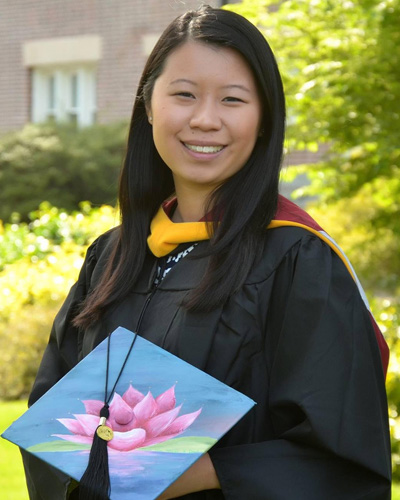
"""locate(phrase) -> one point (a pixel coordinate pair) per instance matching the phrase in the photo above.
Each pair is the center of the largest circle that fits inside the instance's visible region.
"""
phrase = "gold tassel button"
(104, 432)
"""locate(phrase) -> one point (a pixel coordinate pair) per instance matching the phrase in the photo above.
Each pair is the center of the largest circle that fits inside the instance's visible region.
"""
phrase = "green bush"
(60, 164)
(43, 262)
(30, 296)
(48, 228)
(389, 320)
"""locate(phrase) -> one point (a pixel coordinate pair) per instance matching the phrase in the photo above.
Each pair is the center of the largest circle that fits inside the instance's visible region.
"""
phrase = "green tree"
(340, 61)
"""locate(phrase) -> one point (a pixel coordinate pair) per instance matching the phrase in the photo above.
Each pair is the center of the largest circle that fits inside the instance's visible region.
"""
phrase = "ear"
(149, 115)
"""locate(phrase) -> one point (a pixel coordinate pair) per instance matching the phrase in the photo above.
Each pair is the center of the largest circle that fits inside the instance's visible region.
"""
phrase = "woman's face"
(206, 115)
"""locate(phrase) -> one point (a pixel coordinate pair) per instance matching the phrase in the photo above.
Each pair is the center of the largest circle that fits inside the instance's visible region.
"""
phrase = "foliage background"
(39, 262)
(340, 61)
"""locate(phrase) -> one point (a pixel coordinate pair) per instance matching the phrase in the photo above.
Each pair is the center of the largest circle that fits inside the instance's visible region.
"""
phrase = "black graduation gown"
(296, 338)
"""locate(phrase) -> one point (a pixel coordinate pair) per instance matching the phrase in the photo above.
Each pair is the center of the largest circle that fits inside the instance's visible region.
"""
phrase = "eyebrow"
(236, 86)
(183, 80)
(231, 86)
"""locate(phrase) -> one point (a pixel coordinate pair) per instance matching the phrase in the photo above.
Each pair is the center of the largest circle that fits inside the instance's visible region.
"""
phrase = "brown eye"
(232, 99)
(184, 94)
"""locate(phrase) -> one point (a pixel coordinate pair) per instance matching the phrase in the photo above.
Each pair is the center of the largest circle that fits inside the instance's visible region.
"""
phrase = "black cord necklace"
(104, 431)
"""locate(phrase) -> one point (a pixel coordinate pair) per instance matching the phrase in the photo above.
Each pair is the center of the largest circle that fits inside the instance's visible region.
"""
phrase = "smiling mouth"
(203, 149)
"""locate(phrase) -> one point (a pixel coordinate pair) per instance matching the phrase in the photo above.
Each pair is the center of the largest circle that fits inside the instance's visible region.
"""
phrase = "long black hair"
(244, 204)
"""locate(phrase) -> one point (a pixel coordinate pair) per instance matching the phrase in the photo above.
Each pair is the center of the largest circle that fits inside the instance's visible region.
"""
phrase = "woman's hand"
(200, 476)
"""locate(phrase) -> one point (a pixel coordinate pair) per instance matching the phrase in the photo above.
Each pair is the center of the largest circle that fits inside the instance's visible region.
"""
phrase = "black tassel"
(95, 482)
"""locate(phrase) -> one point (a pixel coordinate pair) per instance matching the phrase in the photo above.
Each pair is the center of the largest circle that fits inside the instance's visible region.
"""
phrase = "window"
(64, 93)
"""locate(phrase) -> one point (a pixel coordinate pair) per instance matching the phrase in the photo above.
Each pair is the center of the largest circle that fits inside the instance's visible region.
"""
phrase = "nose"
(205, 115)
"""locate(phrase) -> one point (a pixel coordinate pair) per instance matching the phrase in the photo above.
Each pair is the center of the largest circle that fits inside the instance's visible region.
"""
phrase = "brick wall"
(121, 24)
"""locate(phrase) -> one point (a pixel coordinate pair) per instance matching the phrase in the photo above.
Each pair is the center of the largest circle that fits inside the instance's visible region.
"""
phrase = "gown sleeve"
(327, 399)
(43, 481)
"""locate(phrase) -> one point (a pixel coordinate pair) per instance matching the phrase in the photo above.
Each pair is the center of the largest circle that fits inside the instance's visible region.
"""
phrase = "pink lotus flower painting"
(165, 414)
(137, 420)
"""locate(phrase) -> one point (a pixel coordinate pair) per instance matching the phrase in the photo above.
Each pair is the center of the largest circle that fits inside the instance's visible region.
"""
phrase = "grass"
(12, 480)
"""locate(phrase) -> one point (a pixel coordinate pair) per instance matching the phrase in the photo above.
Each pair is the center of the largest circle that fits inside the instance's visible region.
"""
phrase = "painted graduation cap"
(165, 414)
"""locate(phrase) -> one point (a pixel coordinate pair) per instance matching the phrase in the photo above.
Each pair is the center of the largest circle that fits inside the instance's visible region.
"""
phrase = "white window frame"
(82, 112)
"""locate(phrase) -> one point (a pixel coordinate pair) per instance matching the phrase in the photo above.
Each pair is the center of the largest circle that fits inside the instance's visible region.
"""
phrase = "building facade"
(77, 60)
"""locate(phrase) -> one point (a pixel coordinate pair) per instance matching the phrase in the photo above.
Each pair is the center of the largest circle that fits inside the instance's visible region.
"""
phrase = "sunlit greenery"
(39, 262)
(340, 61)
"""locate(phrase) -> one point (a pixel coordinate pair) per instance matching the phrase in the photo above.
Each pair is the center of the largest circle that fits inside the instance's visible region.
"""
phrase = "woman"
(274, 313)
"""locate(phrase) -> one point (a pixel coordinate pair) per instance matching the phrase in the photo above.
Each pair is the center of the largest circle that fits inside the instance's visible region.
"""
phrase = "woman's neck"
(190, 207)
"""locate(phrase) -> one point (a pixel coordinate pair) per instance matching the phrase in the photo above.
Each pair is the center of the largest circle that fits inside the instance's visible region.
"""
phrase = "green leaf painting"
(190, 444)
(58, 446)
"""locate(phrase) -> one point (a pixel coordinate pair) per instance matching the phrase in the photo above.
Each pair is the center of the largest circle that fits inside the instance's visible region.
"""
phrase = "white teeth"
(204, 149)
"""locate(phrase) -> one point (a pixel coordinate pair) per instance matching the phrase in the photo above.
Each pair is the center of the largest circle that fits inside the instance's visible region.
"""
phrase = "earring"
(150, 119)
